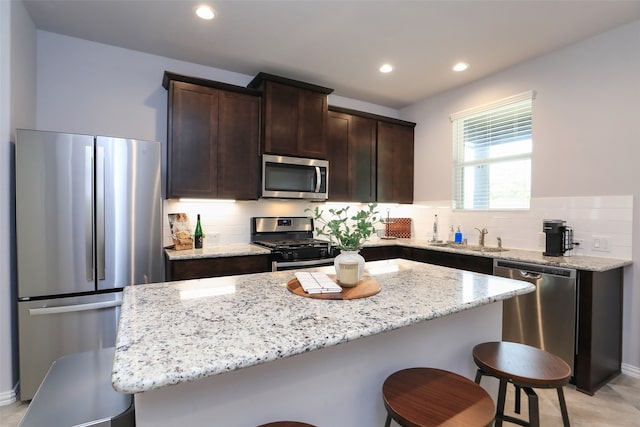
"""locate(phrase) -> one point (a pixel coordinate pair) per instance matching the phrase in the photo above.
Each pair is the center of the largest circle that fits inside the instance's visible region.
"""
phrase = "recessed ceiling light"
(460, 66)
(205, 12)
(386, 68)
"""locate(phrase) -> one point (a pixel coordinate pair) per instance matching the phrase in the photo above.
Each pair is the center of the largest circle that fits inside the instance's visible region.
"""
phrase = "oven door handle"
(306, 263)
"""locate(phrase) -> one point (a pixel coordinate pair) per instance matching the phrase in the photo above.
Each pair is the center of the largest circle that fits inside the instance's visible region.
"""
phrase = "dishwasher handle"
(529, 275)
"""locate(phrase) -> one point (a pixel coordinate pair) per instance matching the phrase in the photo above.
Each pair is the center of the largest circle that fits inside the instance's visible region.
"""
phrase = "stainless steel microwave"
(294, 177)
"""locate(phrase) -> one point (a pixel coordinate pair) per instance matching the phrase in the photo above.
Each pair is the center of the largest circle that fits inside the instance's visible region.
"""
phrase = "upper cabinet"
(395, 163)
(294, 116)
(212, 139)
(370, 157)
(352, 157)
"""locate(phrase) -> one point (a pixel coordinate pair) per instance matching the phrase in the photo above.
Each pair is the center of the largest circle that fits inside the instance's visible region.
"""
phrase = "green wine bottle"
(198, 235)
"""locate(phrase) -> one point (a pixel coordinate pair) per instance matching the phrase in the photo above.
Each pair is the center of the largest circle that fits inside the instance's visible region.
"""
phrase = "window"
(492, 155)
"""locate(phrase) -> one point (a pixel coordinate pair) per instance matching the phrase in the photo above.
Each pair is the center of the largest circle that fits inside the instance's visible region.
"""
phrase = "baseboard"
(8, 397)
(632, 371)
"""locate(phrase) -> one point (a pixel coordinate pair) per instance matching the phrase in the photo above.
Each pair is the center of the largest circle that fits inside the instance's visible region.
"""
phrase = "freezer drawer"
(77, 391)
(49, 329)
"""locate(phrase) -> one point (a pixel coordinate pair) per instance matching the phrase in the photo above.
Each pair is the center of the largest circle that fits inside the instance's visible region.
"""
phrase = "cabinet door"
(394, 163)
(281, 119)
(192, 129)
(338, 150)
(312, 120)
(362, 159)
(238, 138)
(295, 121)
(351, 145)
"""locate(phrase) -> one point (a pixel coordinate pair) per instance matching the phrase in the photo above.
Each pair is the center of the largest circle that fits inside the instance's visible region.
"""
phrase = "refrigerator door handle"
(88, 199)
(73, 308)
(100, 207)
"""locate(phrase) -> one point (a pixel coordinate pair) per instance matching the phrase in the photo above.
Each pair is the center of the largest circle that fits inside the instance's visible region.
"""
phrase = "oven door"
(293, 265)
(294, 178)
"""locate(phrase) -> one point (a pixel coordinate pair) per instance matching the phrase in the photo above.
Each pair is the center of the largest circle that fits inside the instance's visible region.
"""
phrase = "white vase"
(349, 267)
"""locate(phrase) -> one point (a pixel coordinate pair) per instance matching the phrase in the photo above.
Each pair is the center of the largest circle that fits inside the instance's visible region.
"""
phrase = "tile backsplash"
(602, 220)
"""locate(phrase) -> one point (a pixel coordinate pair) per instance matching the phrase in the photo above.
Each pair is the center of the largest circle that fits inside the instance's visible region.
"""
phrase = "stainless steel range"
(291, 242)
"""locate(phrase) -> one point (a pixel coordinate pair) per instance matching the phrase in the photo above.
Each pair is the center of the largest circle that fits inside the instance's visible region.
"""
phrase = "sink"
(475, 248)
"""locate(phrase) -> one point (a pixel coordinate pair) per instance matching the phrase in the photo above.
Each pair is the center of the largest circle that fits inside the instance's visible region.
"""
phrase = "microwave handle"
(318, 179)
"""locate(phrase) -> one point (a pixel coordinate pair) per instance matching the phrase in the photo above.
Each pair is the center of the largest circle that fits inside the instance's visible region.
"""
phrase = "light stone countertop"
(217, 252)
(588, 263)
(176, 332)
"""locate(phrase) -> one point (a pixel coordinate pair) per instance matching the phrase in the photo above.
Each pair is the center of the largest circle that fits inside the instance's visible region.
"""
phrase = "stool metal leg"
(534, 412)
(388, 422)
(479, 374)
(517, 409)
(502, 392)
(563, 407)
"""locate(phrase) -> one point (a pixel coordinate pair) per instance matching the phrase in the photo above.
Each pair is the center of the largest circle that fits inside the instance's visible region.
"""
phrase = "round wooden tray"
(365, 288)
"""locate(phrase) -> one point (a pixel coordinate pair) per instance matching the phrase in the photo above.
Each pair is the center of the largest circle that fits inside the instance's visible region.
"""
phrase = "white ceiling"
(341, 44)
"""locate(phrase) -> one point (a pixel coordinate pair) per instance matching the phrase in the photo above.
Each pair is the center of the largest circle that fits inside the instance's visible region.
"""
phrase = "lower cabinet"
(599, 326)
(215, 267)
(477, 264)
(377, 253)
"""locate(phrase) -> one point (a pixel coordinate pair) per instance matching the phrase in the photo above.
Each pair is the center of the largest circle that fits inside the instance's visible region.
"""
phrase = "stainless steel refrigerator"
(88, 214)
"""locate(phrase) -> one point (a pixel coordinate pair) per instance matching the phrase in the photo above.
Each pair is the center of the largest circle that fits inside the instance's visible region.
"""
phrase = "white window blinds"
(492, 155)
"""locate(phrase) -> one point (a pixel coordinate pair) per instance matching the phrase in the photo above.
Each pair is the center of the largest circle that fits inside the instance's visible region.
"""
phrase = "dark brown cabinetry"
(460, 261)
(599, 326)
(294, 116)
(378, 253)
(370, 157)
(212, 139)
(395, 163)
(215, 267)
(352, 157)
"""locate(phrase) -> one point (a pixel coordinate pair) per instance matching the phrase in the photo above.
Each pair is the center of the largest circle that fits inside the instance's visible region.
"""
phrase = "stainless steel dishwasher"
(545, 318)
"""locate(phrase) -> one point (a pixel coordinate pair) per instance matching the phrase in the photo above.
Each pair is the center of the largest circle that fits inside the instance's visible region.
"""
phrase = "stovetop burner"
(289, 239)
(292, 243)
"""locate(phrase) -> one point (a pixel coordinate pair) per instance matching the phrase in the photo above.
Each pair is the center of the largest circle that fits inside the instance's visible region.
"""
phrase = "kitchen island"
(217, 351)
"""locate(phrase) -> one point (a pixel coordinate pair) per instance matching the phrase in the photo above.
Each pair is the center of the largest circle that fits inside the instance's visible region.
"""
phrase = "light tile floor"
(616, 404)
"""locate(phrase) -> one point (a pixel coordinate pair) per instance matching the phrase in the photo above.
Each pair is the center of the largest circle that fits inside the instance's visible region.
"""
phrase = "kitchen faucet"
(483, 232)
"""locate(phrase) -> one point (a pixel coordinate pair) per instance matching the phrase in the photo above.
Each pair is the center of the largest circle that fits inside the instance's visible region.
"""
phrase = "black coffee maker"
(559, 237)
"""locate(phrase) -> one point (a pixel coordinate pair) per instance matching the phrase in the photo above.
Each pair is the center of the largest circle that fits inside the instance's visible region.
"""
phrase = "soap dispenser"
(458, 238)
(451, 233)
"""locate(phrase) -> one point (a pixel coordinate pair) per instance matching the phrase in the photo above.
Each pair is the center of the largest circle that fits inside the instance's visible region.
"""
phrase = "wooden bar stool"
(526, 368)
(427, 397)
(286, 424)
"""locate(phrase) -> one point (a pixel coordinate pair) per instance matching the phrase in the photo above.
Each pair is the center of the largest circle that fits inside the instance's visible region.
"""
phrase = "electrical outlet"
(578, 244)
(542, 239)
(213, 238)
(601, 243)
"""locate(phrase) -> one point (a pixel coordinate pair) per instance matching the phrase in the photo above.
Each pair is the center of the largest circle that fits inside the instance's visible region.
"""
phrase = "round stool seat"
(286, 424)
(421, 397)
(522, 364)
(525, 367)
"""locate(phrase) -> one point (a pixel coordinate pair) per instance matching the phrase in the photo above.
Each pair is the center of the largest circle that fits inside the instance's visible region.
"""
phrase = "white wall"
(586, 139)
(17, 109)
